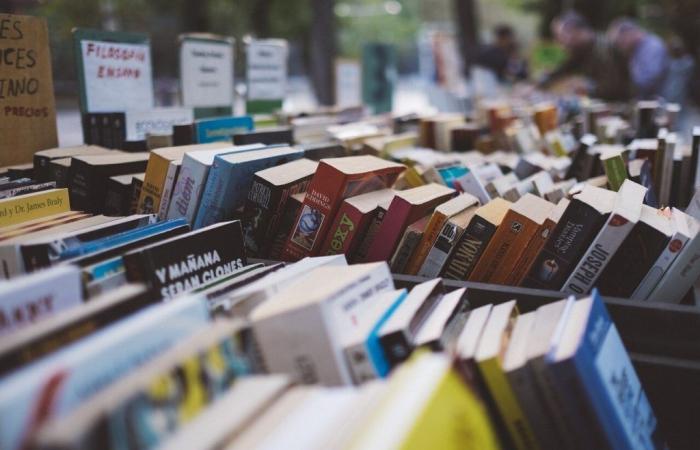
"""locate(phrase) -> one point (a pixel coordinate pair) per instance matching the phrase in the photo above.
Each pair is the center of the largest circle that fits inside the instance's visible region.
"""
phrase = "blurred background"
(436, 43)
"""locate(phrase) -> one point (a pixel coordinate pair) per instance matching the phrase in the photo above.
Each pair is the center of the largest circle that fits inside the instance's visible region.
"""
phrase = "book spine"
(168, 185)
(343, 234)
(680, 277)
(571, 237)
(593, 262)
(60, 174)
(152, 190)
(212, 188)
(431, 233)
(443, 247)
(390, 231)
(279, 239)
(79, 185)
(362, 251)
(136, 185)
(532, 249)
(663, 263)
(410, 240)
(615, 171)
(41, 168)
(188, 190)
(469, 249)
(38, 187)
(495, 257)
(261, 205)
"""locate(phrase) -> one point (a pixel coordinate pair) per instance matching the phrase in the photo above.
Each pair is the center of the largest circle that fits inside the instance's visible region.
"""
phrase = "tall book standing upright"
(335, 180)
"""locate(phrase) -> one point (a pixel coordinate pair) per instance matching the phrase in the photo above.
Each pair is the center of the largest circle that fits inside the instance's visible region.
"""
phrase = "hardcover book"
(408, 243)
(335, 180)
(43, 158)
(287, 221)
(119, 195)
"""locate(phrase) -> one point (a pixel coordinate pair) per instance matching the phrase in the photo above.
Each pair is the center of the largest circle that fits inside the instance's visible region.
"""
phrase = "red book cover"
(407, 207)
(351, 222)
(335, 180)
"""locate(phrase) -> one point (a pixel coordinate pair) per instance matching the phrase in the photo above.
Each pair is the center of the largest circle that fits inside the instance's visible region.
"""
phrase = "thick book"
(192, 179)
(335, 180)
(118, 195)
(30, 395)
(230, 178)
(438, 219)
(637, 254)
(572, 236)
(432, 333)
(35, 297)
(267, 198)
(300, 333)
(623, 218)
(408, 244)
(59, 171)
(371, 233)
(475, 239)
(24, 208)
(289, 215)
(663, 166)
(520, 225)
(43, 158)
(588, 354)
(88, 177)
(446, 242)
(63, 328)
(406, 207)
(183, 263)
(351, 222)
(266, 136)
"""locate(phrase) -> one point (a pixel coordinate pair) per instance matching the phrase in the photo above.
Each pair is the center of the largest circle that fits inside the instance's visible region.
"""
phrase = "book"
(685, 228)
(168, 185)
(287, 220)
(446, 242)
(438, 219)
(637, 254)
(118, 196)
(40, 223)
(221, 128)
(43, 158)
(351, 222)
(300, 333)
(24, 208)
(397, 334)
(32, 298)
(335, 180)
(230, 178)
(489, 359)
(59, 170)
(371, 233)
(614, 165)
(578, 226)
(663, 166)
(432, 332)
(623, 218)
(588, 352)
(267, 198)
(520, 224)
(63, 327)
(265, 136)
(408, 244)
(406, 207)
(182, 263)
(91, 364)
(640, 173)
(471, 245)
(88, 177)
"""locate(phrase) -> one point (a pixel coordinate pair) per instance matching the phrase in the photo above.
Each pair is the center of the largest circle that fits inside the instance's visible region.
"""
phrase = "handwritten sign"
(348, 83)
(27, 105)
(115, 71)
(267, 69)
(206, 71)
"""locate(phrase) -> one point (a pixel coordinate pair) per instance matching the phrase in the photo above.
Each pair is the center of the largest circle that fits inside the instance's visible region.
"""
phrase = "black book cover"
(570, 239)
(683, 189)
(21, 171)
(279, 238)
(468, 250)
(118, 122)
(632, 261)
(106, 132)
(27, 189)
(117, 198)
(317, 152)
(59, 337)
(41, 168)
(186, 262)
(675, 182)
(59, 174)
(183, 134)
(267, 136)
(398, 345)
(88, 183)
(581, 162)
(91, 128)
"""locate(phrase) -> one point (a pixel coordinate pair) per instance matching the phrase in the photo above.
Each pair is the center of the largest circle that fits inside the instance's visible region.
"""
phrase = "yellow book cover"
(435, 224)
(454, 418)
(153, 181)
(24, 208)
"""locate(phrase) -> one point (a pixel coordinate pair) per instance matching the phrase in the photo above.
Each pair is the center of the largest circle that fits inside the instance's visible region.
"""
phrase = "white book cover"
(682, 234)
(435, 324)
(625, 214)
(168, 185)
(30, 298)
(55, 385)
(192, 179)
(441, 250)
(471, 184)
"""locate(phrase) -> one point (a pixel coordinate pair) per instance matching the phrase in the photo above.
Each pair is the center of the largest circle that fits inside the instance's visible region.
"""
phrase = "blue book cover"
(374, 347)
(222, 128)
(121, 238)
(230, 178)
(610, 383)
(55, 385)
(450, 174)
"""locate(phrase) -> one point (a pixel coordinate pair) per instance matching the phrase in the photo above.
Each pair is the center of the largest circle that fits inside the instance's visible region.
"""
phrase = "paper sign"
(267, 69)
(206, 72)
(139, 123)
(27, 105)
(114, 75)
(348, 83)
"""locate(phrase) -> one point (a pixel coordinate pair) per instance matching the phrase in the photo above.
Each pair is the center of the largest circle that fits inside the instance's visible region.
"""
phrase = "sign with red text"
(114, 70)
(27, 104)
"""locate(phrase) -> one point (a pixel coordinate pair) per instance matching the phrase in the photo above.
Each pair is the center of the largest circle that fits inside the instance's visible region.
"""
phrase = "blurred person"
(502, 57)
(647, 57)
(680, 71)
(591, 55)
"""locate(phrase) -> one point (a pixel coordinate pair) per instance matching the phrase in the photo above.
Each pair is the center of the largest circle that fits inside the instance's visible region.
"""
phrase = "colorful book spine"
(221, 129)
(469, 248)
(346, 231)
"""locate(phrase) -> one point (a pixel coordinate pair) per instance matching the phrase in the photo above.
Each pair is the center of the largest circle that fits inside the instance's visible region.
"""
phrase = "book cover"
(24, 208)
(574, 233)
(182, 263)
(168, 185)
(136, 185)
(279, 239)
(615, 168)
(230, 178)
(221, 128)
(266, 136)
(407, 245)
(371, 233)
(118, 195)
(335, 180)
(43, 158)
(59, 170)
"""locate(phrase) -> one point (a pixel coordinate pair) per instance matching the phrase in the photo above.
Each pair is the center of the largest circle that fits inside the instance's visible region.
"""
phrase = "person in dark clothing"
(502, 57)
(591, 55)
